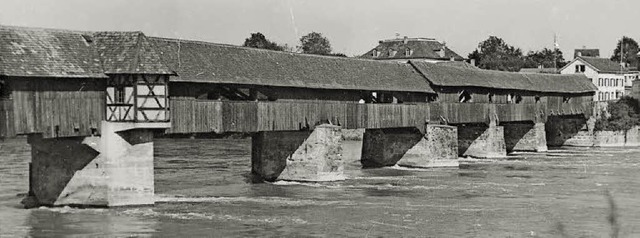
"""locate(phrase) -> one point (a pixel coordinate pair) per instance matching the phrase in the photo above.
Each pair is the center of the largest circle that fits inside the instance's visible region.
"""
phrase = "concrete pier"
(481, 141)
(298, 155)
(408, 147)
(525, 136)
(115, 169)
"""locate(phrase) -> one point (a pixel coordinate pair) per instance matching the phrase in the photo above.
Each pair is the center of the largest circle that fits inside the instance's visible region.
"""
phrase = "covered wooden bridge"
(111, 91)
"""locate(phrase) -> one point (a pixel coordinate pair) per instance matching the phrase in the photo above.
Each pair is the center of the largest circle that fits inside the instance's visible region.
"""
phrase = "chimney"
(406, 40)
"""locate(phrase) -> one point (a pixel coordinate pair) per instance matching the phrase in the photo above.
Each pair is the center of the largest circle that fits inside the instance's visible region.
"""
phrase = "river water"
(203, 189)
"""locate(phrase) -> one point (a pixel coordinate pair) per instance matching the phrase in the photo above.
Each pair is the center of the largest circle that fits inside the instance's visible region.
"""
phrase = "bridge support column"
(525, 136)
(410, 148)
(570, 131)
(298, 155)
(115, 169)
(481, 141)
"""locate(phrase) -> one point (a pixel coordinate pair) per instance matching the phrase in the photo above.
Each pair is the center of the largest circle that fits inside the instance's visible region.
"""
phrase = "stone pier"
(570, 131)
(310, 156)
(525, 136)
(481, 140)
(115, 169)
(408, 147)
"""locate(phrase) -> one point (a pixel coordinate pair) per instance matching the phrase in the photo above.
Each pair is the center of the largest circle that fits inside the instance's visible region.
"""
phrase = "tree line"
(495, 54)
(312, 43)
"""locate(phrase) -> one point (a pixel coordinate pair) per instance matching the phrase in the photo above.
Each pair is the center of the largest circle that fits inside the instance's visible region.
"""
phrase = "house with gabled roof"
(612, 79)
(405, 49)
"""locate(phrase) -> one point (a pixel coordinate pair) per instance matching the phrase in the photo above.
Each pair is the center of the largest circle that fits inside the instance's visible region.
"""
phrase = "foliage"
(630, 51)
(315, 43)
(258, 40)
(623, 115)
(544, 57)
(494, 53)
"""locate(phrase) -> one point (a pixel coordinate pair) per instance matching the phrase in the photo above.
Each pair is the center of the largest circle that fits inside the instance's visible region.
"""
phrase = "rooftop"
(411, 48)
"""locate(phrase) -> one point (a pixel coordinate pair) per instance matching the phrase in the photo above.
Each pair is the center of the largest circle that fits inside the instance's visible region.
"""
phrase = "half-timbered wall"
(137, 98)
(56, 107)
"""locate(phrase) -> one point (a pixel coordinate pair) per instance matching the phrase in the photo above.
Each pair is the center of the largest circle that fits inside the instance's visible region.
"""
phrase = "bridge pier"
(298, 155)
(115, 169)
(481, 140)
(525, 136)
(410, 148)
(570, 131)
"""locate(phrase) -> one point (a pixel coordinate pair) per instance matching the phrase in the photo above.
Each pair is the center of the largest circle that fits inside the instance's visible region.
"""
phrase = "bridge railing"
(190, 115)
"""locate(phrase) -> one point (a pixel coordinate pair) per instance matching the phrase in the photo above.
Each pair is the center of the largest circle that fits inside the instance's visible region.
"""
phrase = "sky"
(352, 26)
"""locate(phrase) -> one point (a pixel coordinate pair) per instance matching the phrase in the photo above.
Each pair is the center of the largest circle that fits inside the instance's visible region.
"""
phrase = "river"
(203, 189)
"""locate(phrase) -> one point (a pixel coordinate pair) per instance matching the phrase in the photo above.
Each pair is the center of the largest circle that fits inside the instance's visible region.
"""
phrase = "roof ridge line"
(271, 51)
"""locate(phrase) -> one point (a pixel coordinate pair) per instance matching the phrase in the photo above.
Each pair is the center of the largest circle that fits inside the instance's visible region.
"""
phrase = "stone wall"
(408, 147)
(569, 131)
(579, 132)
(115, 169)
(298, 155)
(481, 141)
(524, 136)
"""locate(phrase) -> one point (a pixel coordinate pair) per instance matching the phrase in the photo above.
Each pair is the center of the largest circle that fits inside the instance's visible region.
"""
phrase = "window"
(118, 94)
(432, 98)
(580, 68)
(537, 98)
(566, 99)
(408, 52)
(606, 96)
(464, 96)
(490, 97)
(600, 96)
(392, 53)
(374, 53)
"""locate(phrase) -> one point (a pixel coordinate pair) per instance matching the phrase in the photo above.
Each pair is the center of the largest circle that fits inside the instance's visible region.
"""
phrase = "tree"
(258, 40)
(621, 115)
(494, 53)
(544, 57)
(630, 51)
(315, 43)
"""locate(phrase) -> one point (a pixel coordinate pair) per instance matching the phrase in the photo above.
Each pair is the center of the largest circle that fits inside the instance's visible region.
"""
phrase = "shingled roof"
(36, 52)
(602, 64)
(451, 76)
(196, 61)
(128, 52)
(420, 48)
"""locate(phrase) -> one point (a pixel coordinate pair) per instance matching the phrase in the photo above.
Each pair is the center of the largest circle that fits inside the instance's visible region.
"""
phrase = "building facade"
(613, 80)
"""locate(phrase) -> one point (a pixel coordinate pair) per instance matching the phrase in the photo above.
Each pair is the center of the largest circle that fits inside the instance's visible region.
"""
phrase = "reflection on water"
(202, 189)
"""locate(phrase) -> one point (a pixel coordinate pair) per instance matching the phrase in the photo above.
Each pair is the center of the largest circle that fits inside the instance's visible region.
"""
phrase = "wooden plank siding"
(6, 118)
(203, 116)
(57, 107)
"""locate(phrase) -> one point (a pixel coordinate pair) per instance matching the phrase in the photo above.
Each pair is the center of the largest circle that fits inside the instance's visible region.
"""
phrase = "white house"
(613, 80)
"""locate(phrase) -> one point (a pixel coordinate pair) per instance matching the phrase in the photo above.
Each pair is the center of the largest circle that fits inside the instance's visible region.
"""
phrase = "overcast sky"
(352, 26)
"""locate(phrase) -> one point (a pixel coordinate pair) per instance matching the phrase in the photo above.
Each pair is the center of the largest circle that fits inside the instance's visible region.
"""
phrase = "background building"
(612, 79)
(404, 49)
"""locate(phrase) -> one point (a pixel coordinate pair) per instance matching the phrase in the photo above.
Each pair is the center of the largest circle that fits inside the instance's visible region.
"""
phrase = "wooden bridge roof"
(128, 53)
(34, 52)
(37, 52)
(196, 61)
(454, 76)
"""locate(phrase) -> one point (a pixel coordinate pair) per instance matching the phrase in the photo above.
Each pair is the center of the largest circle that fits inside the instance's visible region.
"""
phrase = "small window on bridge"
(464, 96)
(119, 94)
